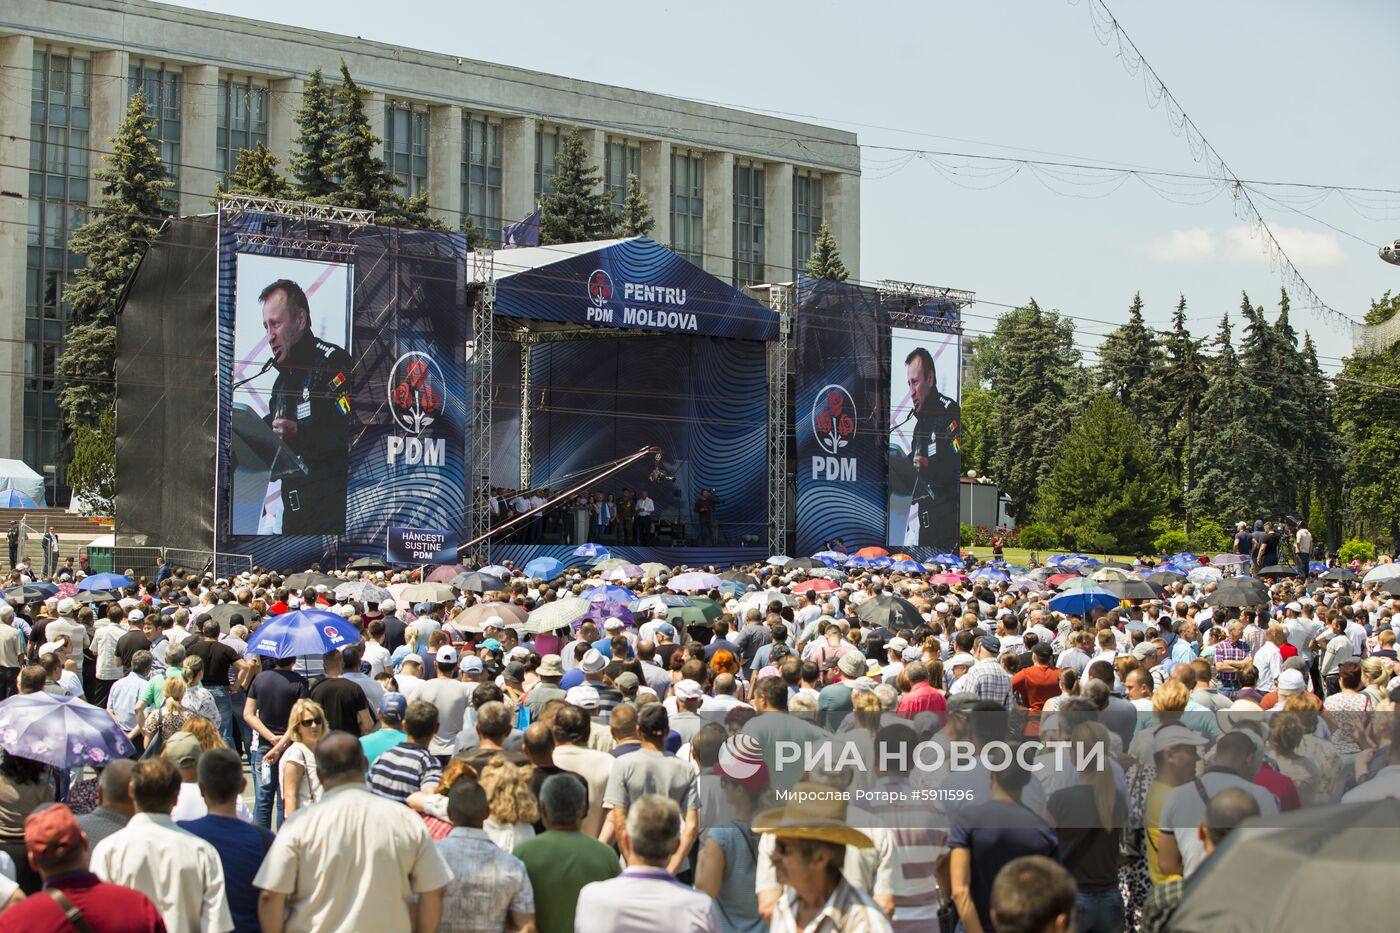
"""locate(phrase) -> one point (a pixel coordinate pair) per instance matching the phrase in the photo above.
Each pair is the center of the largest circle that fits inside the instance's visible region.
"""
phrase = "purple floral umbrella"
(61, 731)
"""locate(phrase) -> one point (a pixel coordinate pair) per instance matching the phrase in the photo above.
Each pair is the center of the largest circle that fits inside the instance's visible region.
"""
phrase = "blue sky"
(1286, 91)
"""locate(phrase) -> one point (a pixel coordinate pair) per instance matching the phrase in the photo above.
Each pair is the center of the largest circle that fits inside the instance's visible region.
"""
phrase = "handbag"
(156, 745)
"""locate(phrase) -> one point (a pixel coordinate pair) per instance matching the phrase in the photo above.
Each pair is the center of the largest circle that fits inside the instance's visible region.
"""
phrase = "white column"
(374, 112)
(777, 221)
(284, 101)
(841, 210)
(16, 88)
(109, 99)
(445, 164)
(656, 185)
(517, 168)
(595, 144)
(719, 214)
(199, 111)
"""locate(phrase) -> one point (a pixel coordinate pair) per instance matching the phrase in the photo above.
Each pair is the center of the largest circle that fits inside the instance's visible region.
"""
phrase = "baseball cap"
(514, 672)
(990, 643)
(551, 665)
(612, 624)
(67, 606)
(769, 671)
(393, 706)
(135, 615)
(627, 682)
(447, 655)
(897, 644)
(1142, 651)
(519, 653)
(688, 690)
(471, 664)
(422, 608)
(491, 644)
(1174, 735)
(1043, 650)
(52, 833)
(593, 662)
(912, 653)
(1290, 680)
(962, 659)
(667, 629)
(184, 749)
(387, 605)
(584, 695)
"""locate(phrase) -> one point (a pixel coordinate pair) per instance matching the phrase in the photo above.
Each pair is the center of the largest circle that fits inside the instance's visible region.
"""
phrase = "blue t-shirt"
(995, 832)
(241, 849)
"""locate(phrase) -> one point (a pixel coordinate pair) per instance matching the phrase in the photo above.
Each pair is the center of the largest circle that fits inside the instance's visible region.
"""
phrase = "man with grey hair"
(646, 896)
(562, 859)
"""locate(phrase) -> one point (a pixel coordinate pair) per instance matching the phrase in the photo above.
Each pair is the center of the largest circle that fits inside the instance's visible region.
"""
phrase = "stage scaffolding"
(481, 396)
(781, 298)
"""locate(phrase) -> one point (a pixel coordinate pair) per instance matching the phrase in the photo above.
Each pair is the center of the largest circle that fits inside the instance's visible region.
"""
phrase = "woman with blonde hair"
(514, 810)
(171, 715)
(296, 769)
(198, 700)
(1375, 675)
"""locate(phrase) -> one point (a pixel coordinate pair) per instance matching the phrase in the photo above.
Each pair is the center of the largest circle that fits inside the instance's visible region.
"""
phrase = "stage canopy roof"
(628, 284)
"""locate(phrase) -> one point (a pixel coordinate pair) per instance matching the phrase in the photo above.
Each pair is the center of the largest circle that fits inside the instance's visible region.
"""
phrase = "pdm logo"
(834, 427)
(417, 394)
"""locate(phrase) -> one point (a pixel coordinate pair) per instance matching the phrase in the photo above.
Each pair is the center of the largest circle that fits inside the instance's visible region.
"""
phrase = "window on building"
(406, 147)
(748, 223)
(59, 132)
(548, 142)
(806, 217)
(161, 88)
(481, 174)
(688, 205)
(242, 121)
(621, 157)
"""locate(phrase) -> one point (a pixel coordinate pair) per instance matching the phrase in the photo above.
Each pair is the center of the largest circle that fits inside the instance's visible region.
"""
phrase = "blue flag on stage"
(524, 233)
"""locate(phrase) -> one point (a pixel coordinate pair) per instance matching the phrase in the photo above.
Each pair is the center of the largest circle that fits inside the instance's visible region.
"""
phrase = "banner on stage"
(420, 546)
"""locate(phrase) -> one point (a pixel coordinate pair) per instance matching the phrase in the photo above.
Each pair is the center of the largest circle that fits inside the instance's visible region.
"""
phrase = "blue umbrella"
(104, 581)
(778, 560)
(14, 499)
(664, 600)
(590, 550)
(1082, 600)
(991, 574)
(609, 594)
(1185, 557)
(830, 558)
(543, 568)
(880, 563)
(949, 560)
(908, 566)
(860, 563)
(600, 611)
(1317, 566)
(64, 732)
(732, 588)
(297, 634)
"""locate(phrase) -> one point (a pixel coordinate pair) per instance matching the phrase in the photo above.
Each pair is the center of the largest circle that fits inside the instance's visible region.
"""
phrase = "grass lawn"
(1019, 557)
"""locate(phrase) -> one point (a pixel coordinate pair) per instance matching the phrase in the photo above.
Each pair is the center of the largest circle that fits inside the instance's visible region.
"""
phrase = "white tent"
(16, 475)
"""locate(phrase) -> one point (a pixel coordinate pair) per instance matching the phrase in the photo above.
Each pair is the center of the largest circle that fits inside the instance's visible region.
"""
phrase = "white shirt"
(408, 685)
(177, 870)
(191, 805)
(644, 899)
(377, 657)
(645, 506)
(1268, 661)
(104, 646)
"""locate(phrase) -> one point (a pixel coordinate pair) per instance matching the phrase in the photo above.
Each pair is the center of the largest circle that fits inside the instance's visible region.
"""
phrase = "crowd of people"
(763, 765)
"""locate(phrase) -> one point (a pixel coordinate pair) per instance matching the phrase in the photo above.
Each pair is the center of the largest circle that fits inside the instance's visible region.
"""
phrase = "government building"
(738, 193)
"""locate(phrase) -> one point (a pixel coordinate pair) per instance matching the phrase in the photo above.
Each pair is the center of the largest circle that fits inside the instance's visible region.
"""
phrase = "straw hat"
(813, 811)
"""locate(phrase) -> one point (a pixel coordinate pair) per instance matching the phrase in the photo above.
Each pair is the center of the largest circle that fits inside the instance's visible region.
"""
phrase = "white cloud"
(1191, 245)
(1304, 247)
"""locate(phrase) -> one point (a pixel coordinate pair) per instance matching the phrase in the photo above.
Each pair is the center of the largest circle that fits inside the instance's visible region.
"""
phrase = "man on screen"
(933, 451)
(309, 410)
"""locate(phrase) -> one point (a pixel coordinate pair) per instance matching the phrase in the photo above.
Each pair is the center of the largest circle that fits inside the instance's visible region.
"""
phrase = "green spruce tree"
(313, 175)
(1225, 461)
(825, 261)
(1105, 480)
(1130, 368)
(1264, 353)
(977, 440)
(636, 218)
(1369, 423)
(578, 210)
(255, 173)
(1183, 385)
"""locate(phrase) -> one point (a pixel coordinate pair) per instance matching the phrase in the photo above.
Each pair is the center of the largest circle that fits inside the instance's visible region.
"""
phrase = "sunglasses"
(312, 722)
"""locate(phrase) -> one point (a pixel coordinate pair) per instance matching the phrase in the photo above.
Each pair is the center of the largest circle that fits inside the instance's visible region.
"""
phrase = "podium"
(258, 457)
(581, 517)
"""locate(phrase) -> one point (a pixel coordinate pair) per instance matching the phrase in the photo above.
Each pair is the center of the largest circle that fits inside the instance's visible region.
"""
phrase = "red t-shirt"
(1035, 684)
(107, 908)
(923, 698)
(1280, 785)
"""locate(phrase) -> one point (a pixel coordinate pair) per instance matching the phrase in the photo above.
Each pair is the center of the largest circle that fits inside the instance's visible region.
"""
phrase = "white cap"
(1290, 680)
(387, 606)
(912, 653)
(1173, 736)
(688, 690)
(447, 655)
(136, 615)
(67, 606)
(961, 660)
(613, 624)
(896, 644)
(584, 695)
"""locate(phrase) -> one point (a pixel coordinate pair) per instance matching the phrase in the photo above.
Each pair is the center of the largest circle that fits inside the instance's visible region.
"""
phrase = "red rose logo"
(824, 422)
(417, 373)
(403, 397)
(431, 400)
(834, 402)
(834, 418)
(845, 426)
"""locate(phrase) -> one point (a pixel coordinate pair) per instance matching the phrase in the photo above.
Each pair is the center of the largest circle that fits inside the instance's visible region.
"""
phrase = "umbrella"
(368, 563)
(687, 615)
(662, 600)
(104, 581)
(64, 589)
(361, 591)
(653, 569)
(478, 582)
(778, 560)
(991, 575)
(14, 499)
(298, 634)
(1104, 574)
(1278, 570)
(872, 551)
(97, 596)
(731, 589)
(30, 592)
(890, 611)
(1082, 601)
(1202, 575)
(608, 593)
(908, 566)
(952, 579)
(1074, 583)
(707, 607)
(747, 579)
(805, 563)
(624, 572)
(1339, 573)
(556, 615)
(1133, 589)
(1164, 577)
(543, 568)
(1381, 572)
(831, 573)
(1391, 587)
(445, 573)
(881, 563)
(496, 570)
(224, 613)
(300, 581)
(1056, 579)
(65, 732)
(1317, 566)
(474, 618)
(1236, 598)
(949, 560)
(427, 593)
(609, 563)
(1184, 557)
(859, 562)
(819, 585)
(591, 550)
(1298, 857)
(1229, 560)
(760, 599)
(692, 582)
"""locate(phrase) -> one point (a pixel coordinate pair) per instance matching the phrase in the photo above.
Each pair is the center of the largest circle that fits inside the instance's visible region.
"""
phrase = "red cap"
(52, 833)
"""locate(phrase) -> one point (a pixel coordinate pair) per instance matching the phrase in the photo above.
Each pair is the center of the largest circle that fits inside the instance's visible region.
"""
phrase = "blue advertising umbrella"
(949, 560)
(1082, 600)
(1317, 566)
(543, 568)
(609, 594)
(778, 560)
(908, 566)
(830, 558)
(991, 574)
(860, 563)
(104, 581)
(301, 633)
(881, 563)
(1185, 557)
(14, 499)
(590, 550)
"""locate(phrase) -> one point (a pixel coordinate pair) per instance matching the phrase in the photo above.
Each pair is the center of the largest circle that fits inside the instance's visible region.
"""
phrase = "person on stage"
(309, 411)
(933, 452)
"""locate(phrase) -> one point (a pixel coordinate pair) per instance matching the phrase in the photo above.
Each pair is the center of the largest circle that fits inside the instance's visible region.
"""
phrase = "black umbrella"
(1391, 587)
(28, 593)
(1163, 578)
(1133, 588)
(368, 563)
(747, 579)
(1339, 573)
(224, 613)
(1279, 570)
(802, 563)
(96, 596)
(478, 582)
(1236, 598)
(300, 581)
(890, 611)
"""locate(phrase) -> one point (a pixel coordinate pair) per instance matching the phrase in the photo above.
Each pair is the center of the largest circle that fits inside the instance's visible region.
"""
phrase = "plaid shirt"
(1230, 651)
(989, 680)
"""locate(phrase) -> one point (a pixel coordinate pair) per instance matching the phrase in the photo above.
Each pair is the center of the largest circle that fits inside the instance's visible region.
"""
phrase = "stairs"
(74, 531)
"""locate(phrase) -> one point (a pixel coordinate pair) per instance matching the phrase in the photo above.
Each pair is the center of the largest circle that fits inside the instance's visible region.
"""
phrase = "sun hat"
(813, 811)
(1173, 736)
(593, 662)
(851, 664)
(551, 665)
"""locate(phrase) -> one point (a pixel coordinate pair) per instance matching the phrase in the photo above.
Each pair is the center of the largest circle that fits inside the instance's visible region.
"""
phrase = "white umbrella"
(1106, 574)
(1381, 573)
(1203, 575)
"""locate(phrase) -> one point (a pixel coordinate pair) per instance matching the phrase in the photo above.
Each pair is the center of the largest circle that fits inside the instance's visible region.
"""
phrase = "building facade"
(738, 193)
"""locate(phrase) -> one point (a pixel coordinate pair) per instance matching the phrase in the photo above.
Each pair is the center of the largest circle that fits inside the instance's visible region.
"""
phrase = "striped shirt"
(402, 770)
